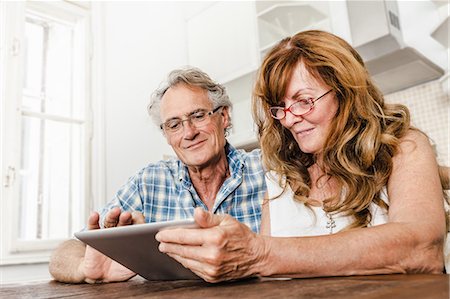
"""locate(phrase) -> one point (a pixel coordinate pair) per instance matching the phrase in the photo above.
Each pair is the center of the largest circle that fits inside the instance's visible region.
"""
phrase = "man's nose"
(189, 130)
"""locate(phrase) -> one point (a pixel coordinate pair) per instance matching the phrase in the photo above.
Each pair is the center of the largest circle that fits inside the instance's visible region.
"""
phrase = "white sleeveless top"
(290, 218)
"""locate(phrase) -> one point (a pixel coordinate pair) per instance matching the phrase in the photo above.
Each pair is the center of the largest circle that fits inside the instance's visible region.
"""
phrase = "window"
(46, 144)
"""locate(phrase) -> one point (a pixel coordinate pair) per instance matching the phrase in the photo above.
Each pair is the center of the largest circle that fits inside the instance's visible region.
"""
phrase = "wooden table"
(366, 287)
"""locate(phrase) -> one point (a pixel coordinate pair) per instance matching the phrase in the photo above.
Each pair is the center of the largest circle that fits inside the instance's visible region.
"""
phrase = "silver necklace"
(330, 222)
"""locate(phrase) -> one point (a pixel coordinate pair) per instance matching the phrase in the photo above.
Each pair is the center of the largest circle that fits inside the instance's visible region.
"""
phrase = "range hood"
(376, 35)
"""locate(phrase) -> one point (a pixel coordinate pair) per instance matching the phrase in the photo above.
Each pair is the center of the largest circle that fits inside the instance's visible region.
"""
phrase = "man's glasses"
(299, 108)
(197, 119)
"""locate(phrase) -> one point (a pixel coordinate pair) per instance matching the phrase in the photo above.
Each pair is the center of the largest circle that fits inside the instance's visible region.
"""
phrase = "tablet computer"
(135, 247)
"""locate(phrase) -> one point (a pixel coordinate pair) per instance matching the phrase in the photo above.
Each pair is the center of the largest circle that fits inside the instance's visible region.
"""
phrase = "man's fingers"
(127, 218)
(112, 218)
(124, 219)
(93, 221)
(137, 218)
(115, 217)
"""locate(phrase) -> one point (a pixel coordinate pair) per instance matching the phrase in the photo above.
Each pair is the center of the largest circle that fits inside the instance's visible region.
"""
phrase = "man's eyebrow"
(196, 111)
(172, 118)
(189, 114)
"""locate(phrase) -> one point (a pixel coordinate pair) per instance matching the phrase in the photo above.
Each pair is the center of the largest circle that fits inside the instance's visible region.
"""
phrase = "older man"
(193, 113)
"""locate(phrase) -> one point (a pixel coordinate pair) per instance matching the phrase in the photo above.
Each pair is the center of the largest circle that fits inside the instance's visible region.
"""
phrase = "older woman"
(343, 160)
(353, 189)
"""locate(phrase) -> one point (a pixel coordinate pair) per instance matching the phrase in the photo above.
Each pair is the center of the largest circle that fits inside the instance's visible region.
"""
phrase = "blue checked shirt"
(163, 191)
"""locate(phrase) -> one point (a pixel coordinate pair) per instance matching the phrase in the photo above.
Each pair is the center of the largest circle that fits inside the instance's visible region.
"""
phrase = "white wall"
(429, 107)
(143, 42)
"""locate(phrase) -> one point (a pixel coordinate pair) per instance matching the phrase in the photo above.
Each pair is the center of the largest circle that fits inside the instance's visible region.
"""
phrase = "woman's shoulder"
(414, 134)
(415, 155)
(414, 140)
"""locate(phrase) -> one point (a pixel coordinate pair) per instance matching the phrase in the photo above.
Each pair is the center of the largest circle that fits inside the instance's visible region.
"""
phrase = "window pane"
(54, 68)
(29, 177)
(59, 71)
(51, 178)
(34, 41)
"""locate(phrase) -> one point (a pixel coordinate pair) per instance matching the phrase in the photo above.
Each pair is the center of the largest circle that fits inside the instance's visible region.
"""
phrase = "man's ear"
(225, 112)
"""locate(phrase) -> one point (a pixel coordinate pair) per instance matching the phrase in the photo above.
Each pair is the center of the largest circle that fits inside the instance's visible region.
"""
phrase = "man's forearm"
(65, 262)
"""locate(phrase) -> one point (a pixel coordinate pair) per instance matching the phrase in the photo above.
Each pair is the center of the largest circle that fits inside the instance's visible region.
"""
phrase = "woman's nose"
(290, 119)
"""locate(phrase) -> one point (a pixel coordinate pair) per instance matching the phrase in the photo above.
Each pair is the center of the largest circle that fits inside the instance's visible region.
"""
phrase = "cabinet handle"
(15, 47)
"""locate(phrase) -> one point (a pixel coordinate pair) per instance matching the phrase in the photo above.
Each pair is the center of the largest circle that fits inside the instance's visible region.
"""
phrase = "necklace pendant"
(330, 223)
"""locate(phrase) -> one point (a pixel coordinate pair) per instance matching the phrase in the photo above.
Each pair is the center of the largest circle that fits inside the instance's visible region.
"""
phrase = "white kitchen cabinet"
(222, 40)
(441, 35)
(441, 31)
(243, 133)
(279, 19)
(419, 35)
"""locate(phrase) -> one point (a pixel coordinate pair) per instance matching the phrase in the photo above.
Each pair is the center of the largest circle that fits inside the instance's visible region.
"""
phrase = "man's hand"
(222, 249)
(96, 266)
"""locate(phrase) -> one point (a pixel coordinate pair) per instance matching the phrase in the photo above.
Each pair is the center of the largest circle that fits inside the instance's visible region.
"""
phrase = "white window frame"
(13, 250)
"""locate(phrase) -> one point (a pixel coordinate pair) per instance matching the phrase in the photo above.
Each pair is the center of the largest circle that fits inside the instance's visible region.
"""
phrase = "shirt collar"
(235, 164)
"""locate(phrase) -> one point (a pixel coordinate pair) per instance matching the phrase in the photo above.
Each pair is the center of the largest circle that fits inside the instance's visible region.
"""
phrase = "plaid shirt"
(163, 191)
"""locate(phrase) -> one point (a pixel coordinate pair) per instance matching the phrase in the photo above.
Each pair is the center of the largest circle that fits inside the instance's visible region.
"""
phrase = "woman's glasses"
(299, 108)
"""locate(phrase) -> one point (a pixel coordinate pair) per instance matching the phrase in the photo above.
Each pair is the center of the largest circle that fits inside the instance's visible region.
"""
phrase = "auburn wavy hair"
(366, 131)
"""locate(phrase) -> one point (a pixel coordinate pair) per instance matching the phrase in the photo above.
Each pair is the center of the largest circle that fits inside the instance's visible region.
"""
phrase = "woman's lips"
(305, 132)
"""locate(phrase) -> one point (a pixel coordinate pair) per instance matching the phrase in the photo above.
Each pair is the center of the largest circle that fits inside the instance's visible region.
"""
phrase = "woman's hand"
(221, 249)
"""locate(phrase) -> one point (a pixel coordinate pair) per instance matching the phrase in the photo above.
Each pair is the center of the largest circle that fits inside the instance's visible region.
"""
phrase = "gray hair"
(192, 77)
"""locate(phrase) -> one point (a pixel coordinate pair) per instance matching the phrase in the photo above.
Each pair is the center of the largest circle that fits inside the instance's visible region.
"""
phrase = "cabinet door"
(243, 134)
(222, 40)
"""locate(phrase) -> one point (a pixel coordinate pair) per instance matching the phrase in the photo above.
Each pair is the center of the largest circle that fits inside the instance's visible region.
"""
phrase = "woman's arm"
(411, 241)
